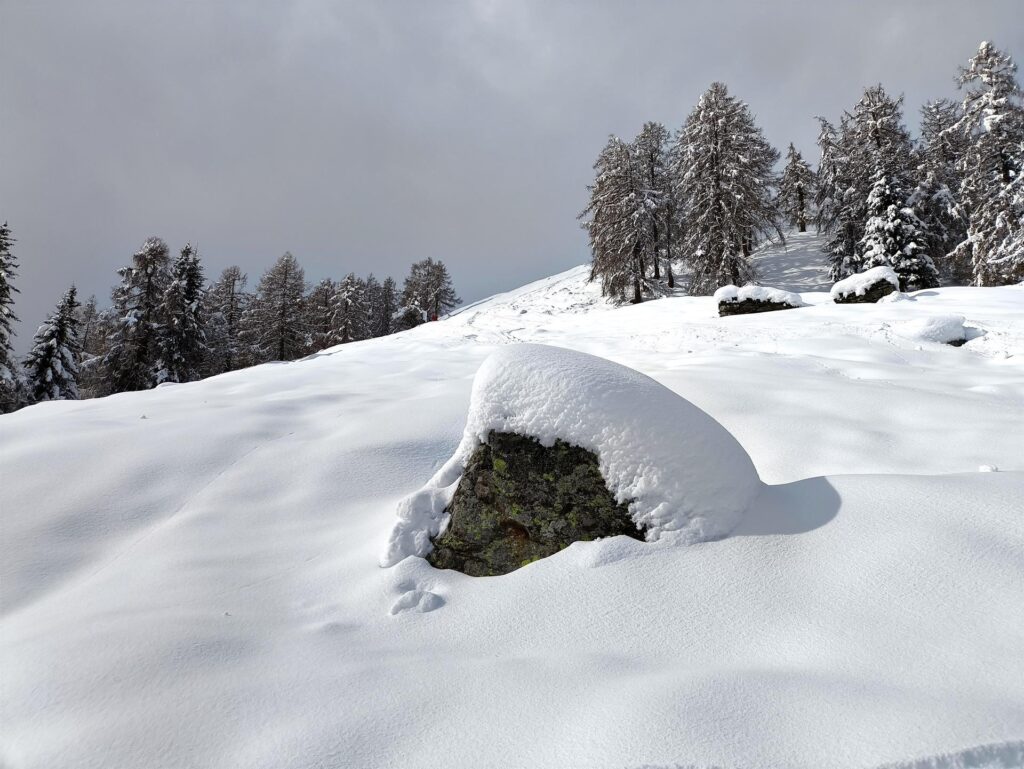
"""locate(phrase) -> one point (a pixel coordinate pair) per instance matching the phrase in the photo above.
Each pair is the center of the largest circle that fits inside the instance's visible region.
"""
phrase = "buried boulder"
(749, 299)
(560, 446)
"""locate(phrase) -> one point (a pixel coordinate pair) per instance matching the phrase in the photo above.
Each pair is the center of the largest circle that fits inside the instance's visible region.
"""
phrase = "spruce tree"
(273, 323)
(182, 333)
(9, 375)
(51, 368)
(991, 168)
(796, 190)
(226, 301)
(939, 153)
(133, 359)
(870, 138)
(619, 224)
(724, 168)
(893, 237)
(351, 310)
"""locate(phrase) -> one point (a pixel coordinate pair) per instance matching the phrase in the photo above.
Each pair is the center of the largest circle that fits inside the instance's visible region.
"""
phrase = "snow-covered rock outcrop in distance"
(686, 479)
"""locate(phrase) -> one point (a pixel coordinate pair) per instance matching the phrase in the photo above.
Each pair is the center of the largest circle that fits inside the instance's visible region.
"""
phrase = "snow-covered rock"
(758, 294)
(684, 476)
(943, 329)
(867, 286)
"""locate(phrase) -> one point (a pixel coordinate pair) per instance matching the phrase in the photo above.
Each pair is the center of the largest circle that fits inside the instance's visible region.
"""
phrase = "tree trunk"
(801, 216)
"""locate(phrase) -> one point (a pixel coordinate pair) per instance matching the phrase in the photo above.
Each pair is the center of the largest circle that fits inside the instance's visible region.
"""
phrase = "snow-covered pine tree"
(9, 374)
(870, 138)
(618, 222)
(273, 323)
(51, 368)
(991, 169)
(938, 180)
(724, 168)
(132, 360)
(428, 292)
(796, 190)
(94, 327)
(321, 316)
(893, 237)
(382, 319)
(226, 301)
(650, 150)
(182, 333)
(351, 310)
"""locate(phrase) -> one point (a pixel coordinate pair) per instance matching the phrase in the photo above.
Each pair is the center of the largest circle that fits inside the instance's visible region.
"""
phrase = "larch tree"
(726, 181)
(352, 318)
(618, 223)
(657, 206)
(9, 375)
(893, 236)
(226, 301)
(383, 306)
(796, 190)
(51, 368)
(321, 316)
(274, 328)
(132, 361)
(428, 292)
(991, 168)
(182, 333)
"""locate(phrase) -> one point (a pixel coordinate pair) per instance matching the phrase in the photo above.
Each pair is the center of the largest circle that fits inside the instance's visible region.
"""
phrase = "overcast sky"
(363, 136)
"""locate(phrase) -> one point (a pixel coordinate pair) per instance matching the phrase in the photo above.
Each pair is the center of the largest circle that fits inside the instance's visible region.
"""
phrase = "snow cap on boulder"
(684, 475)
(860, 283)
(754, 293)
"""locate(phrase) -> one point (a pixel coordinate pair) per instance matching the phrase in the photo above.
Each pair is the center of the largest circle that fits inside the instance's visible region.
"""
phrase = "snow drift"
(681, 472)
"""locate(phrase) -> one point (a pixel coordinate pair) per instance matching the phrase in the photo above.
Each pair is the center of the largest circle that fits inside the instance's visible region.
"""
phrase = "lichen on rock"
(519, 501)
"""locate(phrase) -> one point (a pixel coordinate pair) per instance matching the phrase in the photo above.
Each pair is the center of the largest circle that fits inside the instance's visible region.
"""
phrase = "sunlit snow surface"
(190, 576)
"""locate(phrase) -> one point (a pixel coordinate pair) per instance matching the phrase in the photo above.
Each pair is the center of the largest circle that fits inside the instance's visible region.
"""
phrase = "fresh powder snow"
(190, 576)
(681, 472)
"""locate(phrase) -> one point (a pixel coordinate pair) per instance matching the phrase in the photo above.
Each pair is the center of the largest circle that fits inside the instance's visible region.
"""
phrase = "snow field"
(201, 587)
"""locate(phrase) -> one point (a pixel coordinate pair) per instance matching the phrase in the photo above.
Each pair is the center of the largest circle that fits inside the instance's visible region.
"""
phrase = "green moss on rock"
(519, 501)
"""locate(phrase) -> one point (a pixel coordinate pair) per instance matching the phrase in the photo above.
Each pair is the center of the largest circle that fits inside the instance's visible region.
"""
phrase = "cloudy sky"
(363, 136)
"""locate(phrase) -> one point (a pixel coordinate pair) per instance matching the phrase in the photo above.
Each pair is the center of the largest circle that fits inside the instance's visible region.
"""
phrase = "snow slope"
(189, 576)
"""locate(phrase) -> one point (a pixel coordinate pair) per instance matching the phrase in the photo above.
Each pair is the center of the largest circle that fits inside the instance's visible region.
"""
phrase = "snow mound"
(686, 479)
(944, 329)
(758, 294)
(859, 283)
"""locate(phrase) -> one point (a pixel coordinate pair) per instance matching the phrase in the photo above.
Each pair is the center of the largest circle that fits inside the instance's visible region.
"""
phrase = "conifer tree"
(321, 316)
(182, 332)
(796, 190)
(893, 238)
(725, 170)
(657, 209)
(9, 375)
(619, 224)
(51, 367)
(991, 169)
(351, 310)
(869, 139)
(226, 301)
(383, 308)
(132, 361)
(273, 323)
(428, 291)
(941, 148)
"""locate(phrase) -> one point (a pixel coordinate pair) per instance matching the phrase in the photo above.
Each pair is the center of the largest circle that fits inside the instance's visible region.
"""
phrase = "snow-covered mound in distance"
(681, 472)
(201, 587)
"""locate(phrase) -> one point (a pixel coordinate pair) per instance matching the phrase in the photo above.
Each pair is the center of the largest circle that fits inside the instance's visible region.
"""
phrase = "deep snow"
(189, 577)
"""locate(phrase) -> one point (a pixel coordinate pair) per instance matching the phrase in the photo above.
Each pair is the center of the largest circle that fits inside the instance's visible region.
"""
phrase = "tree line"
(166, 324)
(948, 207)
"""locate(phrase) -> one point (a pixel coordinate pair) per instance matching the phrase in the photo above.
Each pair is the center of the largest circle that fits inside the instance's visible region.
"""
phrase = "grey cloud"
(362, 136)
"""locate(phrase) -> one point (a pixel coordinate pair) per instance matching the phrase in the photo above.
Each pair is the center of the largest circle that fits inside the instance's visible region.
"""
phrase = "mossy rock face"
(519, 501)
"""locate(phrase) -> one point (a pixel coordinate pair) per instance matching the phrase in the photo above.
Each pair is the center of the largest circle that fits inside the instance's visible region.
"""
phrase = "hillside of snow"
(190, 577)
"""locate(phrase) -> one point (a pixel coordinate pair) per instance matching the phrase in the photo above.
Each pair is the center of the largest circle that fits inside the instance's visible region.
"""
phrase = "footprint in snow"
(416, 600)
